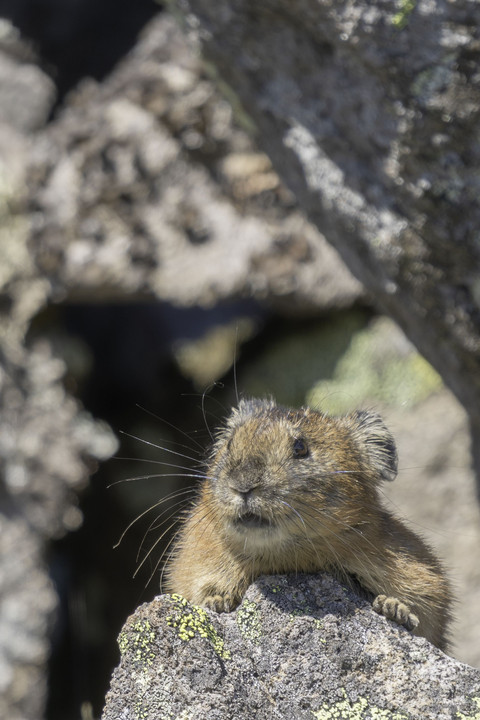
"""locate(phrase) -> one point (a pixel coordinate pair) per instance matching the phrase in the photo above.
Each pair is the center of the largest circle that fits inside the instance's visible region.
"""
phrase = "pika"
(297, 491)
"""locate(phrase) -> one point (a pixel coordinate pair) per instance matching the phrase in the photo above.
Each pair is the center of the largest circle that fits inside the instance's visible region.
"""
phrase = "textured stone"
(146, 184)
(296, 648)
(48, 447)
(26, 92)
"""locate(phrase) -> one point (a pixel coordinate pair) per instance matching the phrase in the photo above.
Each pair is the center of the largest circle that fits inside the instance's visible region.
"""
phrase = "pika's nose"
(246, 478)
(244, 495)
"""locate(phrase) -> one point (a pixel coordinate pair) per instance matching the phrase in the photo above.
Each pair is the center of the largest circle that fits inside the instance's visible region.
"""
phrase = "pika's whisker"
(235, 385)
(157, 541)
(207, 389)
(174, 427)
(158, 447)
(170, 496)
(168, 546)
(158, 475)
(172, 465)
(346, 525)
(169, 512)
(293, 510)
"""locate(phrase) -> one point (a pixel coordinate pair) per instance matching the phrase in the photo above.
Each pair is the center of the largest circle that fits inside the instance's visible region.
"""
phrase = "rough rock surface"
(146, 182)
(48, 448)
(27, 93)
(296, 648)
(369, 113)
(48, 445)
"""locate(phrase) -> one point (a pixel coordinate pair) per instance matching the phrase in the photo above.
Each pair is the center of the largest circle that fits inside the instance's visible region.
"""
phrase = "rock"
(296, 648)
(370, 114)
(48, 447)
(28, 603)
(26, 93)
(146, 184)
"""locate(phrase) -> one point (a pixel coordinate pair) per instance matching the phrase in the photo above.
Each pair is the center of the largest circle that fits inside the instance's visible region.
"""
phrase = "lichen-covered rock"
(296, 648)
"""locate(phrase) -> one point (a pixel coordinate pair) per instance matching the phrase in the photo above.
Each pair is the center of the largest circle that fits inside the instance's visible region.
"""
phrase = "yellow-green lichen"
(138, 640)
(141, 711)
(402, 17)
(190, 621)
(248, 621)
(359, 710)
(476, 716)
(123, 642)
(300, 611)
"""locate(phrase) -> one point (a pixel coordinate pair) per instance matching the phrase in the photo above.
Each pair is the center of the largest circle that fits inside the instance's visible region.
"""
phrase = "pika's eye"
(300, 448)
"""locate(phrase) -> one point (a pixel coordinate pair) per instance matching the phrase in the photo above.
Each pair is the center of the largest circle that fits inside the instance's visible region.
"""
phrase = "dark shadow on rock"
(315, 595)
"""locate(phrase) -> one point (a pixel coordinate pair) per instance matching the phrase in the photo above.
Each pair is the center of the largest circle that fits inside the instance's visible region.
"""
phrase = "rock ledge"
(296, 648)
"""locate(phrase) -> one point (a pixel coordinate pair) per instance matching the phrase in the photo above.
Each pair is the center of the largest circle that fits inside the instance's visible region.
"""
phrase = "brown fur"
(297, 491)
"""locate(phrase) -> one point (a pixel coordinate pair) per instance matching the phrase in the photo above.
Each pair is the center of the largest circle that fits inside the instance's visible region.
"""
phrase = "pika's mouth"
(251, 520)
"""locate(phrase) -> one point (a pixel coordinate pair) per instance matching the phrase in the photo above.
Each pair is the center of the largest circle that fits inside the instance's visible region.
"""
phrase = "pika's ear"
(377, 441)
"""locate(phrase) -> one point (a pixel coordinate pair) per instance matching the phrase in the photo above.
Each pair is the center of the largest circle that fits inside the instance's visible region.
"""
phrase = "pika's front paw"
(394, 609)
(221, 603)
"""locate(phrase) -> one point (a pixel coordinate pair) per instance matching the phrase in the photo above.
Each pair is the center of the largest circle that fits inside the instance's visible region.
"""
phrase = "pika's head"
(275, 471)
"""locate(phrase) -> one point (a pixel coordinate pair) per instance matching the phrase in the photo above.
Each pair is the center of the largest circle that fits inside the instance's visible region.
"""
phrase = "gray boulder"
(296, 648)
(369, 113)
(47, 444)
(147, 184)
(48, 447)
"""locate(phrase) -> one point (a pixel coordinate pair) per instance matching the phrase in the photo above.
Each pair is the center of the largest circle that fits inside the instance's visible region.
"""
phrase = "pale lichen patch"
(361, 709)
(138, 640)
(249, 622)
(476, 716)
(190, 621)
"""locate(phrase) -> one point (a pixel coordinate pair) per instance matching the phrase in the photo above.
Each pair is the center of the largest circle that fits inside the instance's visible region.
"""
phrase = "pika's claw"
(220, 603)
(394, 609)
